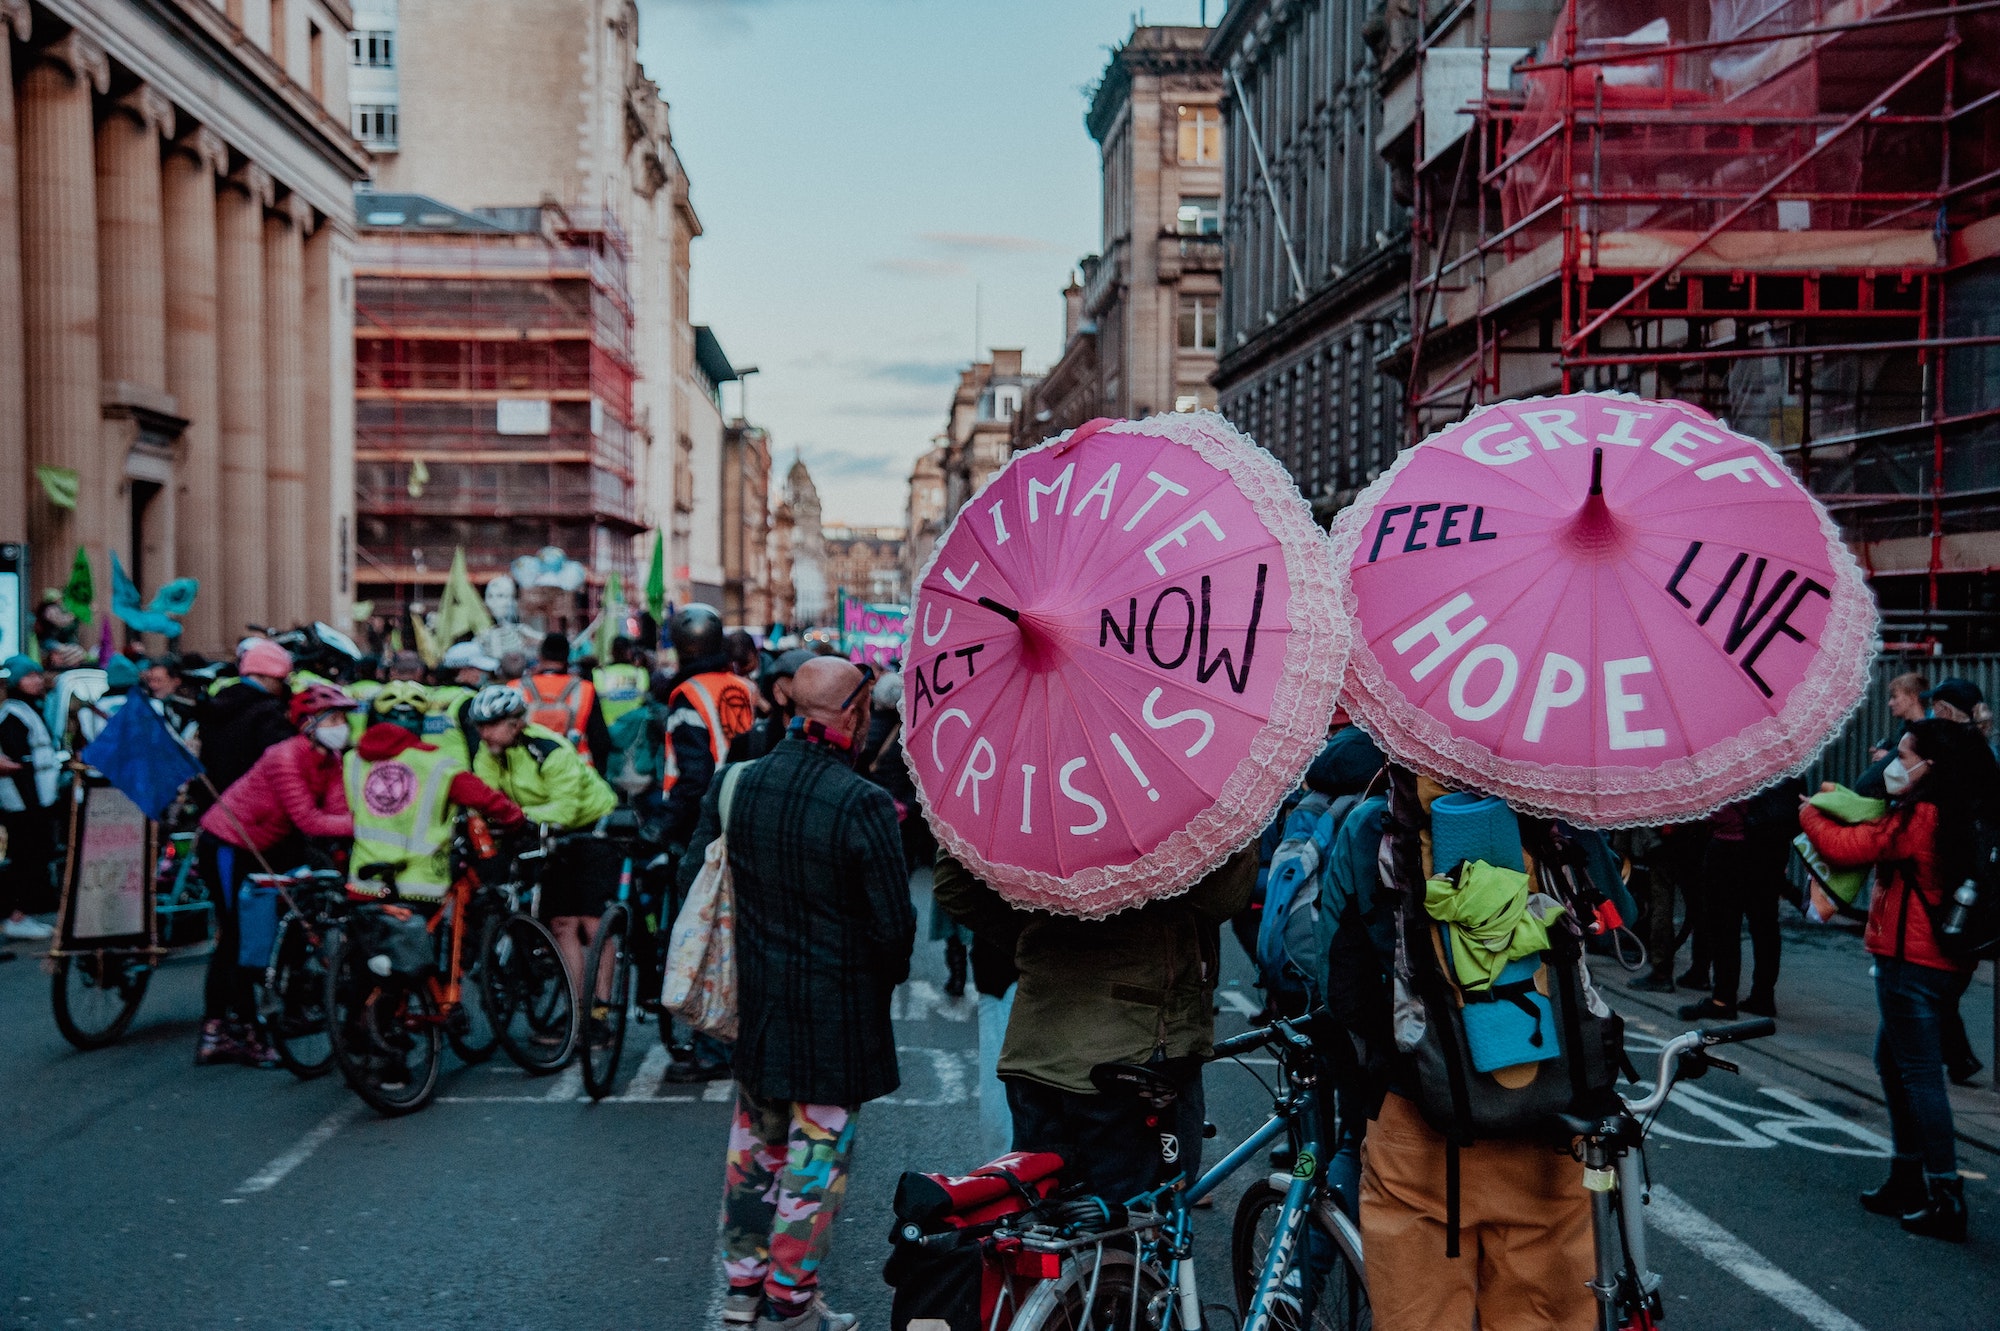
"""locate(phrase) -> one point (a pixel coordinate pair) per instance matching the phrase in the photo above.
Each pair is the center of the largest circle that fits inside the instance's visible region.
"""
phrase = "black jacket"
(694, 760)
(237, 725)
(824, 924)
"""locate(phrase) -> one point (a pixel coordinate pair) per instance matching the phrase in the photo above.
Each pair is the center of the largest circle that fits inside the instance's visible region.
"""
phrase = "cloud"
(846, 464)
(920, 267)
(968, 242)
(917, 373)
(893, 410)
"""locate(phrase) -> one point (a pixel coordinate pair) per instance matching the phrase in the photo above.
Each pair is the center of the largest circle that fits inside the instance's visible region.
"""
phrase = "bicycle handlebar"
(1694, 1042)
(1289, 1030)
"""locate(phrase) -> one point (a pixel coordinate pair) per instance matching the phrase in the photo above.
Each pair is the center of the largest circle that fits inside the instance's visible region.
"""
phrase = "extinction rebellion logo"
(389, 789)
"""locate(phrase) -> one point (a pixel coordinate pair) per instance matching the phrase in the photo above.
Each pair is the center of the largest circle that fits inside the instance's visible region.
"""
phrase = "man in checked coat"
(824, 928)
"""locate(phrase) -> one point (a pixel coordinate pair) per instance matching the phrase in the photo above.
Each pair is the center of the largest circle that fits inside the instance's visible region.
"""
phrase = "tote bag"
(700, 984)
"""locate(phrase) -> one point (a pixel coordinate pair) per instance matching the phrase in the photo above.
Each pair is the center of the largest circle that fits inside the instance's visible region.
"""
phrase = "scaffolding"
(494, 396)
(1780, 210)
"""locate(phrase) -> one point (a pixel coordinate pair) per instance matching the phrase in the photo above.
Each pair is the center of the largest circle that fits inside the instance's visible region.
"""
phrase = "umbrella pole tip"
(1597, 471)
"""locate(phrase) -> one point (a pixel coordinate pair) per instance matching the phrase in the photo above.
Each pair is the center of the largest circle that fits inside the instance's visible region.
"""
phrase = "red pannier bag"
(943, 1262)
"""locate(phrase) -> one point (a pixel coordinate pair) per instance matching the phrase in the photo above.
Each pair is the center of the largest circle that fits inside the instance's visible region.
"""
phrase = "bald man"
(824, 928)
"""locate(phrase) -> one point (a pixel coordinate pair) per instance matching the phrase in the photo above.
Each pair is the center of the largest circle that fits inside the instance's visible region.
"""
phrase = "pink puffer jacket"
(295, 787)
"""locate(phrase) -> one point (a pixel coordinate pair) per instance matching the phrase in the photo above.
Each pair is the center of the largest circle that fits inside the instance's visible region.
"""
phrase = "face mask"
(1896, 777)
(333, 736)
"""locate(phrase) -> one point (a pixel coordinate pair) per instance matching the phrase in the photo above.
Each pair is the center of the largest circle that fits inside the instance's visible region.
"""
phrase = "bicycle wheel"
(96, 994)
(386, 1038)
(607, 970)
(1116, 1292)
(1325, 1288)
(293, 1002)
(529, 996)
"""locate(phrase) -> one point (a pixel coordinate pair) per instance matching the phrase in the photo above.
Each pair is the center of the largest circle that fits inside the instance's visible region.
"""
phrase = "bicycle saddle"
(1135, 1080)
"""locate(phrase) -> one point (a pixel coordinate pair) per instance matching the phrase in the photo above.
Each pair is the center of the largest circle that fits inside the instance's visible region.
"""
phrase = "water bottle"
(1960, 914)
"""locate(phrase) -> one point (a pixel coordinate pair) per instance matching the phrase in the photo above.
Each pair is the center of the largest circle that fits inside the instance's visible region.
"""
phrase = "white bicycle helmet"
(496, 702)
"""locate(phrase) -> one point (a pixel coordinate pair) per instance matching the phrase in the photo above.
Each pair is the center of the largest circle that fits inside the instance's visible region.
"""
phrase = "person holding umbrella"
(1941, 781)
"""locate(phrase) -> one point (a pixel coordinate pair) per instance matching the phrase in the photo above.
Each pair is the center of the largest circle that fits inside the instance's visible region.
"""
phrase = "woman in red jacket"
(293, 793)
(1943, 776)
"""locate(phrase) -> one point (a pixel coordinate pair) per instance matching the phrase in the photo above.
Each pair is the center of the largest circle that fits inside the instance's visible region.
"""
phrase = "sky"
(867, 172)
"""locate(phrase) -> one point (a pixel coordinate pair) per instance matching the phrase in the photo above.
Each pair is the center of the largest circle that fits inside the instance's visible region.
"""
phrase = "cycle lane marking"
(1678, 1220)
(301, 1151)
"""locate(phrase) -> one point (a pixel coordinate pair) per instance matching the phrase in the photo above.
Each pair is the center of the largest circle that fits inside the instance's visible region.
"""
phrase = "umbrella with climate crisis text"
(1123, 654)
(1603, 608)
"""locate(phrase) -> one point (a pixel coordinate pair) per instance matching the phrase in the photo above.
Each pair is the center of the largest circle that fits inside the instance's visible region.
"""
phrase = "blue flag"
(141, 757)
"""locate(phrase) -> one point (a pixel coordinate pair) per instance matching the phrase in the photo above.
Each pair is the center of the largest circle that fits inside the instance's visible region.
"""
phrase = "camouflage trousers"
(786, 1176)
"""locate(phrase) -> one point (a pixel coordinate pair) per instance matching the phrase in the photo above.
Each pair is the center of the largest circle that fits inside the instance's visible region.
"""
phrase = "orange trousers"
(1525, 1258)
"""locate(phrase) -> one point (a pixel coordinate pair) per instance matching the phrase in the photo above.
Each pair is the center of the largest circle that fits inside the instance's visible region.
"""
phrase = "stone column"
(16, 480)
(59, 294)
(189, 174)
(285, 406)
(132, 299)
(248, 546)
(325, 486)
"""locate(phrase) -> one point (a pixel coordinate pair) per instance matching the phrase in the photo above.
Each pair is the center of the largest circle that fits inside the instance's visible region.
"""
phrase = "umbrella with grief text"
(1603, 608)
(1123, 654)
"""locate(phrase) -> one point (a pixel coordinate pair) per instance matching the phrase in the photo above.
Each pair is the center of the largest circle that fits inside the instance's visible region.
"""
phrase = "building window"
(1197, 323)
(375, 125)
(1201, 135)
(316, 61)
(1199, 217)
(1006, 401)
(280, 51)
(375, 49)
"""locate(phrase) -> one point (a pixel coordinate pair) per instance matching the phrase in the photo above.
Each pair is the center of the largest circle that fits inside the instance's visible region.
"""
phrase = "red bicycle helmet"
(314, 699)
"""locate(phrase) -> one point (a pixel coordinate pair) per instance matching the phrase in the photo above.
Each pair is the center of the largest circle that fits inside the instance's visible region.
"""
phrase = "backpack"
(1287, 928)
(637, 744)
(1968, 932)
(1434, 1053)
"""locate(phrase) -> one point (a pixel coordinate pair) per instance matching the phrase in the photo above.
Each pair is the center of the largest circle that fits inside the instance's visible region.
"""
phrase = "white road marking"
(1238, 1001)
(719, 1093)
(274, 1173)
(950, 1067)
(1674, 1217)
(581, 1100)
(568, 1084)
(652, 1073)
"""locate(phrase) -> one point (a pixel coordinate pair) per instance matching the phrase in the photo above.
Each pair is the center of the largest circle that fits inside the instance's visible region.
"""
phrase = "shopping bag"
(700, 985)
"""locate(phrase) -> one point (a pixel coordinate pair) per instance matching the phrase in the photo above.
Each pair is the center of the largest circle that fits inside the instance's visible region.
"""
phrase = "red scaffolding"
(494, 399)
(1782, 210)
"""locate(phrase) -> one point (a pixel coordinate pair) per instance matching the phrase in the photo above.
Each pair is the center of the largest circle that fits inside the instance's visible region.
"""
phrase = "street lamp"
(743, 373)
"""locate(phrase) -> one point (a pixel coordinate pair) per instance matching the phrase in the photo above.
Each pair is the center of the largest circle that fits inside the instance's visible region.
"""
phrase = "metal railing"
(1843, 759)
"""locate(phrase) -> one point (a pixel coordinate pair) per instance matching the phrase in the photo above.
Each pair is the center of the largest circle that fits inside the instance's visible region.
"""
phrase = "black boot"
(1899, 1194)
(954, 968)
(1942, 1216)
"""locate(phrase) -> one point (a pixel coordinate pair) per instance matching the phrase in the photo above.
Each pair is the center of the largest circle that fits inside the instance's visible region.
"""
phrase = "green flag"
(81, 589)
(656, 580)
(460, 610)
(61, 484)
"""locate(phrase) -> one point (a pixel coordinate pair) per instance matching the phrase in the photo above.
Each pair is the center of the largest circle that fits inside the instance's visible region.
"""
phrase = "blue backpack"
(1286, 933)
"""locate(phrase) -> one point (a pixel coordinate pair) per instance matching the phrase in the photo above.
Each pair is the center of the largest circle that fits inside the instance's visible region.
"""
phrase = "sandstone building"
(175, 233)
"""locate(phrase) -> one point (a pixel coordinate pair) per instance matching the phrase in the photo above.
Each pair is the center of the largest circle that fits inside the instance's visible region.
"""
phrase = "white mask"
(1896, 777)
(334, 735)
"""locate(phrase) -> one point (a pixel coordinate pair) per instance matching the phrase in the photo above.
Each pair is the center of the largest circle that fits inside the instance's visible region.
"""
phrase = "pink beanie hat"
(264, 657)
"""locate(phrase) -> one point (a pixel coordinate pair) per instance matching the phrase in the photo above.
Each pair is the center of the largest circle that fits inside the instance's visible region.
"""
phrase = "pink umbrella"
(1122, 655)
(1602, 608)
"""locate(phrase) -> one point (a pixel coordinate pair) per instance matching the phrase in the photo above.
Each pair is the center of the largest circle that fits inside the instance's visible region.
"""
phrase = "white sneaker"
(26, 929)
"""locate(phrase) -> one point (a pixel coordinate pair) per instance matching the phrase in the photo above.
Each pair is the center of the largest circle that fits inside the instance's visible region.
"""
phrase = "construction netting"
(1674, 116)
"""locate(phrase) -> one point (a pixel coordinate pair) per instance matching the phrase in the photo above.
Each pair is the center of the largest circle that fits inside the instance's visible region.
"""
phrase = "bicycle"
(389, 1014)
(530, 996)
(1132, 1265)
(1613, 1156)
(610, 968)
(291, 1001)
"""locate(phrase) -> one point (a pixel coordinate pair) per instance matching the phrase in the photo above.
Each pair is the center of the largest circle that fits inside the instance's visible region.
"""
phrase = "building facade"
(1317, 244)
(865, 564)
(806, 573)
(1140, 329)
(923, 517)
(746, 526)
(979, 430)
(176, 224)
(538, 105)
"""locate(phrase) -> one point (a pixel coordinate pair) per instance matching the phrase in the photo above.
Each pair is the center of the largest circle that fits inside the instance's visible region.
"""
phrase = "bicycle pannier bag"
(700, 984)
(394, 942)
(942, 1263)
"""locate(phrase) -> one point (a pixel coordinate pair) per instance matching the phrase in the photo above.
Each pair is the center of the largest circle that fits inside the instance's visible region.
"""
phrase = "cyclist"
(540, 771)
(404, 791)
(621, 686)
(467, 669)
(292, 792)
(565, 704)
